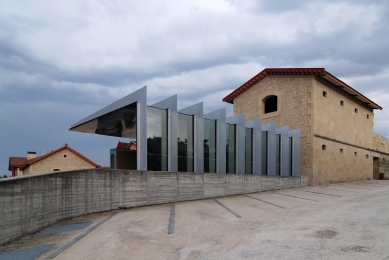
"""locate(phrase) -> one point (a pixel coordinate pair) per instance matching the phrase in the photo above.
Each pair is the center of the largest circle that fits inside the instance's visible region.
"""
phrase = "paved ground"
(342, 221)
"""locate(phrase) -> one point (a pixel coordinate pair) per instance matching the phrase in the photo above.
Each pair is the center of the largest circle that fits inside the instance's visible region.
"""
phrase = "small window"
(271, 104)
(341, 150)
(355, 153)
(324, 94)
(342, 103)
(56, 170)
(64, 156)
(323, 147)
(367, 156)
(356, 110)
(367, 116)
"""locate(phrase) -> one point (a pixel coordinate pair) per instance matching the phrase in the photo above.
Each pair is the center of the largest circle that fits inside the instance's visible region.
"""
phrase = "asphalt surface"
(339, 221)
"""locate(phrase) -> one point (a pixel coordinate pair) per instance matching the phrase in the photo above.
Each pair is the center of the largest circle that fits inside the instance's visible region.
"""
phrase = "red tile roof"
(16, 162)
(301, 71)
(65, 147)
(126, 146)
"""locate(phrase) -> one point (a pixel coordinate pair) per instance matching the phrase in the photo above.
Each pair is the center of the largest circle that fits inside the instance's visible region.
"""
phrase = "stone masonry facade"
(337, 139)
(63, 161)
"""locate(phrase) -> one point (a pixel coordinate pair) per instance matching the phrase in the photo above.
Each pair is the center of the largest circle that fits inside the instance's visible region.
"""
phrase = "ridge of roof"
(65, 147)
(301, 71)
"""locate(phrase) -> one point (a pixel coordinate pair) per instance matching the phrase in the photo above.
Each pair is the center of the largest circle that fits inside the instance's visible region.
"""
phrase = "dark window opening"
(323, 147)
(367, 116)
(355, 153)
(342, 103)
(356, 110)
(341, 150)
(271, 104)
(56, 170)
(324, 94)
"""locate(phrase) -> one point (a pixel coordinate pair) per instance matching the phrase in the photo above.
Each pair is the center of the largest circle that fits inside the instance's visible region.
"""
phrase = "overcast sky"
(60, 61)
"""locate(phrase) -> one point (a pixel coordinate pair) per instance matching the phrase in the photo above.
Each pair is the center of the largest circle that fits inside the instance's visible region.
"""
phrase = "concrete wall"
(30, 203)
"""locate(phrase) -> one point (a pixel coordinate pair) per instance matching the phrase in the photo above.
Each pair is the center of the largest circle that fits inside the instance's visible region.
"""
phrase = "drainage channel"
(227, 208)
(171, 220)
(339, 190)
(320, 193)
(295, 197)
(75, 240)
(266, 202)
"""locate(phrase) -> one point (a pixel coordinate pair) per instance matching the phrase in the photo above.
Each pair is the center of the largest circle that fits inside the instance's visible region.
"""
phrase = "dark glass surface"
(264, 152)
(185, 143)
(290, 156)
(112, 161)
(278, 154)
(156, 162)
(120, 123)
(157, 139)
(249, 151)
(209, 145)
(230, 149)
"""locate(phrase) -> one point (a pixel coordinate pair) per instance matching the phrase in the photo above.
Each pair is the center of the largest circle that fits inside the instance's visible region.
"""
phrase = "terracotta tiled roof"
(301, 71)
(16, 162)
(65, 147)
(126, 146)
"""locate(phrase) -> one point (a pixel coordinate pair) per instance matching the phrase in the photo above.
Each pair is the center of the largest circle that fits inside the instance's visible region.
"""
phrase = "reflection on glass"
(249, 151)
(209, 145)
(156, 139)
(121, 122)
(264, 152)
(230, 149)
(290, 156)
(185, 143)
(278, 154)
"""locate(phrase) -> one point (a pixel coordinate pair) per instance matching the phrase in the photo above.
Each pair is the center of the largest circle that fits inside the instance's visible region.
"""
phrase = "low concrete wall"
(30, 203)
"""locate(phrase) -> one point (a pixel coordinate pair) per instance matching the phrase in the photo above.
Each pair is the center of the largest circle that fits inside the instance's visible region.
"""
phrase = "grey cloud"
(165, 44)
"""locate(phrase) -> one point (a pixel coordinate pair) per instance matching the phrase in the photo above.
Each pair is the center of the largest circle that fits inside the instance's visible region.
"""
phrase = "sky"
(60, 61)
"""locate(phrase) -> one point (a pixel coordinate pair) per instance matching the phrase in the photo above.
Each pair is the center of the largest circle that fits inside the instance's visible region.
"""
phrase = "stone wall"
(326, 116)
(345, 127)
(30, 203)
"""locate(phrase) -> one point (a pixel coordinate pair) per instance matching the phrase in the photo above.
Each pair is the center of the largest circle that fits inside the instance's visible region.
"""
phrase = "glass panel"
(278, 154)
(264, 152)
(112, 161)
(249, 151)
(209, 145)
(230, 148)
(121, 122)
(156, 139)
(290, 156)
(185, 143)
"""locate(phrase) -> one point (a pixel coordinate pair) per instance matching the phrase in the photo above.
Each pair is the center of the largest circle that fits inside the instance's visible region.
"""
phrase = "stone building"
(61, 159)
(336, 121)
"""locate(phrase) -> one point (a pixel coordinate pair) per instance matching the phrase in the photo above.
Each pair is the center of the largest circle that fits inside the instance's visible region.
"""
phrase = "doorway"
(376, 169)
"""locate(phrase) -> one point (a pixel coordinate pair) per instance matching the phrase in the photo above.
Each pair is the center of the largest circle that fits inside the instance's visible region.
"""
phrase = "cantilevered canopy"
(120, 122)
(118, 119)
(123, 118)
